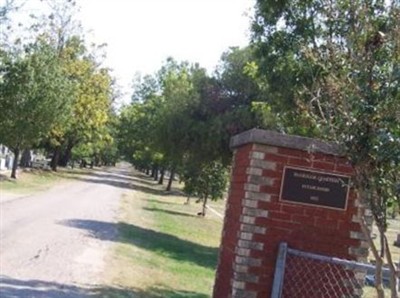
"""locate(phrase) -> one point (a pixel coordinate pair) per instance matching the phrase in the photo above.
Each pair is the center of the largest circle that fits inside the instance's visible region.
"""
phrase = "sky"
(141, 34)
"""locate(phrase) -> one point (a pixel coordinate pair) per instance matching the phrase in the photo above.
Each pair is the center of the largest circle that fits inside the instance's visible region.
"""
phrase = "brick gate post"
(284, 189)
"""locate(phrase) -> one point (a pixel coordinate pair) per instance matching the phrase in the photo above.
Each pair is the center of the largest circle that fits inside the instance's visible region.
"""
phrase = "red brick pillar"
(257, 219)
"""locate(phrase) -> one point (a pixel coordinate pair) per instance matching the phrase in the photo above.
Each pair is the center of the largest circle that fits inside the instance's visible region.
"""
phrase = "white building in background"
(6, 158)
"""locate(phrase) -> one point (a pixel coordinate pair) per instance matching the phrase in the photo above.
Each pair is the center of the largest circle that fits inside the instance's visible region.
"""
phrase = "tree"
(86, 120)
(336, 64)
(182, 118)
(91, 105)
(188, 117)
(106, 150)
(92, 84)
(172, 121)
(239, 100)
(135, 133)
(28, 113)
(205, 180)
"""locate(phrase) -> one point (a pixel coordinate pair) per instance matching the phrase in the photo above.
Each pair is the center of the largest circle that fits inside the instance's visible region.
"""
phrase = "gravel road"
(54, 244)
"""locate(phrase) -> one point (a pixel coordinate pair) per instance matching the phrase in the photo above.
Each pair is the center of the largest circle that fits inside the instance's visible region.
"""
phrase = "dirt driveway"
(54, 244)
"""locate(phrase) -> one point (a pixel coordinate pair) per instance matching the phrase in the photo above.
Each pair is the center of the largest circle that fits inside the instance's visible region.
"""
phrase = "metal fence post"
(279, 271)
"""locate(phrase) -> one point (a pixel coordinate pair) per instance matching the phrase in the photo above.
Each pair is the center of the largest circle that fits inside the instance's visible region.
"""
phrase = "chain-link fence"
(301, 274)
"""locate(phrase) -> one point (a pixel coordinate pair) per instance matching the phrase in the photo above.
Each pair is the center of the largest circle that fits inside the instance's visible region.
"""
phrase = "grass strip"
(164, 249)
(29, 182)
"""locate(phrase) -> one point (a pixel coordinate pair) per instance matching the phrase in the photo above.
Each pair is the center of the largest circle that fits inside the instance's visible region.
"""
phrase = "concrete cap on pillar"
(272, 138)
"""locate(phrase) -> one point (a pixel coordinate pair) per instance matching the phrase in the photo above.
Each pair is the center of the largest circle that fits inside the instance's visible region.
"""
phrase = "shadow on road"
(122, 179)
(112, 174)
(161, 243)
(11, 287)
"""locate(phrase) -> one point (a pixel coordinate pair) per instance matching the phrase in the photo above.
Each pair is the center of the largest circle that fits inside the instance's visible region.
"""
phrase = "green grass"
(164, 249)
(28, 182)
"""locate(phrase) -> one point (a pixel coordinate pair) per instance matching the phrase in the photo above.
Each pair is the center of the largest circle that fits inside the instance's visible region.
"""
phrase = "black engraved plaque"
(314, 188)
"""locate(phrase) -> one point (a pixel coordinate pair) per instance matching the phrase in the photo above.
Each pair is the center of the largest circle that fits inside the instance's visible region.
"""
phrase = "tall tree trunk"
(155, 173)
(67, 154)
(205, 205)
(382, 252)
(161, 180)
(55, 158)
(97, 161)
(393, 270)
(15, 164)
(171, 178)
(26, 158)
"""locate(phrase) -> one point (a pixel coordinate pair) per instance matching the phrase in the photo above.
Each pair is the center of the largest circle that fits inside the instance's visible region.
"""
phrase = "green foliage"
(28, 113)
(208, 180)
(353, 97)
(90, 121)
(183, 118)
(172, 119)
(337, 67)
(134, 133)
(53, 90)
